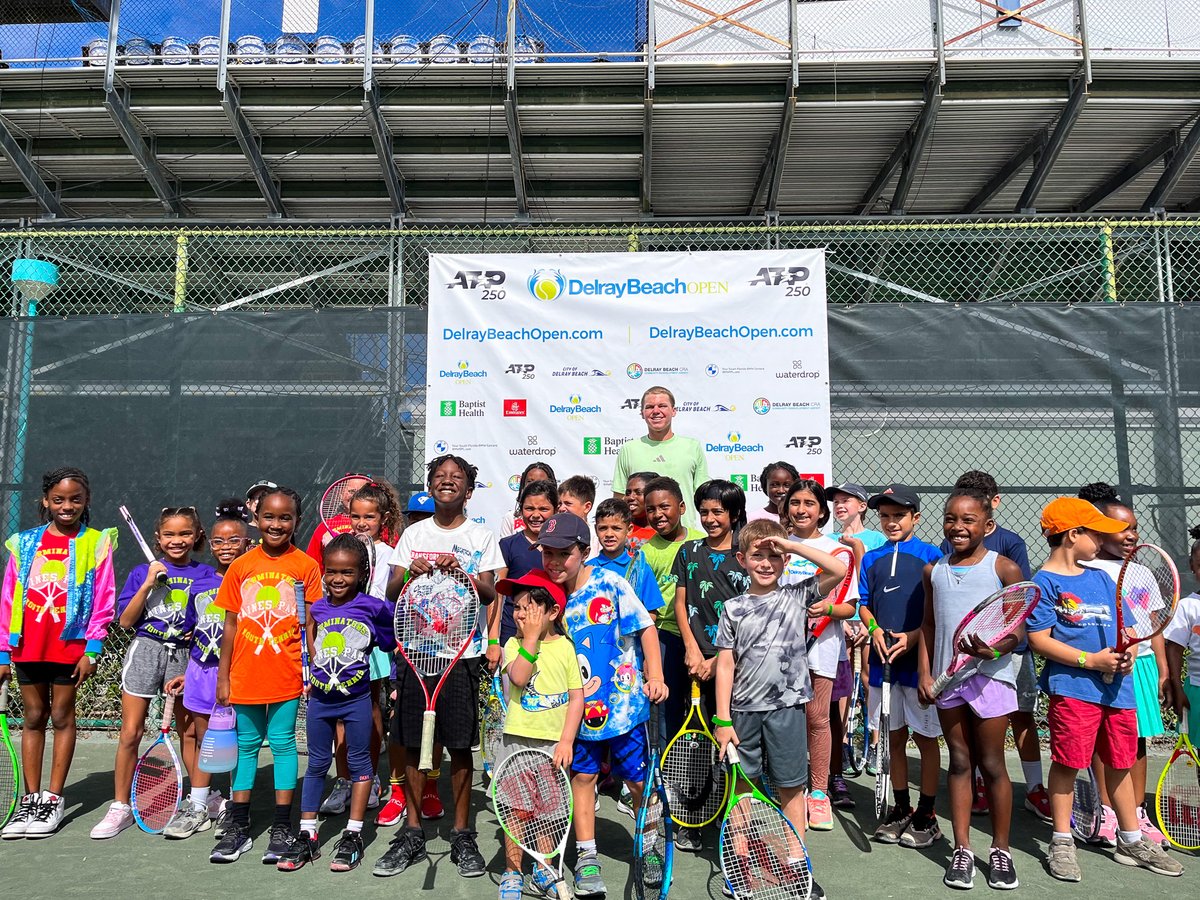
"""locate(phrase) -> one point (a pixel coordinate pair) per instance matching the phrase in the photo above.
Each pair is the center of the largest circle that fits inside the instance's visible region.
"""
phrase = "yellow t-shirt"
(540, 709)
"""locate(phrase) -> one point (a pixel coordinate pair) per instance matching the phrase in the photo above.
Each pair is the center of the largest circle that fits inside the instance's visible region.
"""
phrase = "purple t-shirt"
(345, 634)
(166, 608)
(204, 620)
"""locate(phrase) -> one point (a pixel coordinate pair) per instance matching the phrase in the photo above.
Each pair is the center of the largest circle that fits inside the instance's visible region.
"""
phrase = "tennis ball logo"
(212, 611)
(575, 398)
(463, 365)
(546, 284)
(333, 644)
(47, 571)
(267, 597)
(175, 600)
(735, 437)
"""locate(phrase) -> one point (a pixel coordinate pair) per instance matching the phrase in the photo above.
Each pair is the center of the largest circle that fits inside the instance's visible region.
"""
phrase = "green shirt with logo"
(678, 457)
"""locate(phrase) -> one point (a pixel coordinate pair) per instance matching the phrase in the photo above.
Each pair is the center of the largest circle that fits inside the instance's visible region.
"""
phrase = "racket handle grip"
(427, 723)
(563, 890)
(940, 683)
(1109, 677)
(731, 754)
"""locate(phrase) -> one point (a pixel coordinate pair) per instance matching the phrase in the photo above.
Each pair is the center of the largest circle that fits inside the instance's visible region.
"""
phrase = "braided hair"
(351, 544)
(64, 473)
(295, 498)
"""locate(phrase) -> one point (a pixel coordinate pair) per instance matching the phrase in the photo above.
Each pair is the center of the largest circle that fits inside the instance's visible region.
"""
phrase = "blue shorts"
(626, 752)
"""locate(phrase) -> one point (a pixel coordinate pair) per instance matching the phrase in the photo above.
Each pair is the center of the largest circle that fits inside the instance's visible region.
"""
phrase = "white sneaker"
(376, 792)
(339, 798)
(189, 819)
(625, 803)
(47, 816)
(216, 803)
(15, 829)
(117, 819)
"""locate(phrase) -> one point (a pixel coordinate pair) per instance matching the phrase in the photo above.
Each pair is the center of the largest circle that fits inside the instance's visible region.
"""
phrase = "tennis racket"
(1147, 591)
(161, 580)
(762, 855)
(495, 707)
(335, 502)
(836, 596)
(995, 618)
(697, 784)
(883, 774)
(1178, 794)
(858, 727)
(435, 623)
(369, 543)
(158, 779)
(10, 768)
(532, 800)
(1086, 810)
(305, 668)
(653, 838)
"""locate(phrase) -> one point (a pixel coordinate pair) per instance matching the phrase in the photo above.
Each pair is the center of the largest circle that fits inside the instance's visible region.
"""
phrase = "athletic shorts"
(1027, 686)
(149, 665)
(1145, 687)
(906, 711)
(843, 684)
(625, 752)
(200, 686)
(380, 664)
(779, 735)
(457, 724)
(1078, 729)
(987, 697)
(511, 743)
(44, 673)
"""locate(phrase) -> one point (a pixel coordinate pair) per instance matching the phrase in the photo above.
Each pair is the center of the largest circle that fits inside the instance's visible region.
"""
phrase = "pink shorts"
(1079, 728)
(843, 681)
(987, 697)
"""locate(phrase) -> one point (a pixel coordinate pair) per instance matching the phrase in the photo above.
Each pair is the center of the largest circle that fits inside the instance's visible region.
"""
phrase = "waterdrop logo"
(546, 284)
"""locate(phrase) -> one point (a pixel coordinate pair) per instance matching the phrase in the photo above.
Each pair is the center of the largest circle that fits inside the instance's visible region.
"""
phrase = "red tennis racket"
(335, 502)
(836, 596)
(992, 620)
(436, 615)
(158, 779)
(1147, 592)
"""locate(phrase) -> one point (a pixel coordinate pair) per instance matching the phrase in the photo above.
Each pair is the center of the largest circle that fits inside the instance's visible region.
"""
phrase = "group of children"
(591, 628)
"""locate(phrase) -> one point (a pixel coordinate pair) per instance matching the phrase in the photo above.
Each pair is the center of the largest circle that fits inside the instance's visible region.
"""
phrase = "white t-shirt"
(475, 548)
(383, 571)
(1112, 567)
(1184, 629)
(830, 647)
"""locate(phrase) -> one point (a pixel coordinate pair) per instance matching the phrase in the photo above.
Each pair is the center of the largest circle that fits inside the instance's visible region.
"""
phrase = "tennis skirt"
(1145, 686)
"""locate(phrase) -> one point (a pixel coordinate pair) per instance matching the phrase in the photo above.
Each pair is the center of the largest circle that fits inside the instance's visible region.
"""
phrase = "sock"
(354, 825)
(239, 813)
(585, 848)
(52, 797)
(283, 814)
(1033, 774)
(1066, 836)
(903, 798)
(308, 827)
(433, 776)
(1130, 837)
(925, 805)
(397, 782)
(199, 797)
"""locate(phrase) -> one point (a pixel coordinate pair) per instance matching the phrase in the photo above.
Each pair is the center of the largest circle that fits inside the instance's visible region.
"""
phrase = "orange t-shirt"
(265, 667)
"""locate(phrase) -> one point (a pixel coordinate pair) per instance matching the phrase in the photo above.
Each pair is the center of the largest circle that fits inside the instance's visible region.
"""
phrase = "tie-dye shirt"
(711, 578)
(164, 614)
(205, 621)
(345, 634)
(604, 618)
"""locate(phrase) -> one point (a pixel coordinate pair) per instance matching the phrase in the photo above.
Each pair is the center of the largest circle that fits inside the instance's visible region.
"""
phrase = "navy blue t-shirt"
(520, 557)
(891, 585)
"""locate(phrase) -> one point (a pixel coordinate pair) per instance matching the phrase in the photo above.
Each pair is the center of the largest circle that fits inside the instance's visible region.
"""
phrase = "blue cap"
(421, 502)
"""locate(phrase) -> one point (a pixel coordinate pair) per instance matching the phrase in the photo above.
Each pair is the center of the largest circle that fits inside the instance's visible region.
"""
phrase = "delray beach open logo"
(546, 284)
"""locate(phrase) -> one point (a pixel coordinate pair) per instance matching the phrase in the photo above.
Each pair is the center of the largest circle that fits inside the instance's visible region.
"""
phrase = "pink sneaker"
(1037, 802)
(820, 812)
(1107, 837)
(1149, 831)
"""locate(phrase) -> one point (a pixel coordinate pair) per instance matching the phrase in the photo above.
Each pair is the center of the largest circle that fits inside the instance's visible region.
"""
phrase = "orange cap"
(1064, 513)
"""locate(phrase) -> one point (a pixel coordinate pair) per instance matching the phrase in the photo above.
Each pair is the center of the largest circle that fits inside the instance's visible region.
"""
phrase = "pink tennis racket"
(335, 502)
(838, 595)
(993, 620)
(1147, 593)
(158, 779)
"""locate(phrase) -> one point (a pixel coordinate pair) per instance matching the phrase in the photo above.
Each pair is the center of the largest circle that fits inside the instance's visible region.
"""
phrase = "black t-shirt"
(710, 577)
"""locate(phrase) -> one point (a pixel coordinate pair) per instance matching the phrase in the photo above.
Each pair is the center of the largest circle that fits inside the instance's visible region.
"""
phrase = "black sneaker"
(305, 848)
(464, 853)
(818, 892)
(233, 843)
(280, 843)
(1002, 875)
(408, 847)
(960, 874)
(347, 852)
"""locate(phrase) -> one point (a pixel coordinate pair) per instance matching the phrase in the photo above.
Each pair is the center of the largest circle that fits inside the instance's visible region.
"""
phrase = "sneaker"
(588, 882)
(1002, 875)
(1037, 802)
(625, 803)
(543, 881)
(15, 829)
(464, 853)
(373, 797)
(431, 803)
(817, 892)
(347, 852)
(872, 764)
(1148, 856)
(726, 890)
(652, 864)
(960, 874)
(117, 819)
(339, 798)
(979, 806)
(891, 828)
(512, 885)
(280, 842)
(407, 847)
(224, 820)
(233, 843)
(1060, 859)
(921, 833)
(392, 811)
(190, 819)
(305, 848)
(690, 840)
(820, 813)
(839, 793)
(47, 816)
(1107, 835)
(1149, 831)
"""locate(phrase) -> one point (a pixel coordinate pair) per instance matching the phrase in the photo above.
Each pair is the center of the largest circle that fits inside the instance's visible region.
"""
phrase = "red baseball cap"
(532, 579)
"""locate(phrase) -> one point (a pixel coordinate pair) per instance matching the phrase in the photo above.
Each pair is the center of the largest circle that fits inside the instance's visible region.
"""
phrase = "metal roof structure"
(789, 107)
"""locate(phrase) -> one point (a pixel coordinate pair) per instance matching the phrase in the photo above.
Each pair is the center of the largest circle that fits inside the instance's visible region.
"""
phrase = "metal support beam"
(1027, 205)
(513, 121)
(116, 102)
(252, 150)
(648, 149)
(766, 192)
(919, 136)
(381, 135)
(1008, 172)
(11, 147)
(1130, 171)
(903, 150)
(1177, 162)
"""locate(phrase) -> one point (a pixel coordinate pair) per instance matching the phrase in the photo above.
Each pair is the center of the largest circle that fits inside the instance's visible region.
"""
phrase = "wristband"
(830, 613)
(873, 627)
(995, 653)
(526, 655)
(493, 642)
(1082, 660)
(94, 657)
(722, 723)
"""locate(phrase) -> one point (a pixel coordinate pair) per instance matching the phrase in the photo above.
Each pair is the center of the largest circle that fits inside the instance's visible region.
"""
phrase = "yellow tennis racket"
(697, 783)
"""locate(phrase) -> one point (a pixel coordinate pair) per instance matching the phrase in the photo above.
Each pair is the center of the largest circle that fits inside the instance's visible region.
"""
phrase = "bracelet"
(830, 613)
(94, 657)
(1082, 660)
(873, 627)
(995, 653)
(526, 655)
(722, 723)
(493, 642)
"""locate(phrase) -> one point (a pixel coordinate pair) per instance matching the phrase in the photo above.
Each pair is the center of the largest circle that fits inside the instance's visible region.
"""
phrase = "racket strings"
(761, 854)
(694, 778)
(157, 788)
(1000, 618)
(8, 780)
(1085, 809)
(532, 798)
(1179, 802)
(435, 618)
(1149, 587)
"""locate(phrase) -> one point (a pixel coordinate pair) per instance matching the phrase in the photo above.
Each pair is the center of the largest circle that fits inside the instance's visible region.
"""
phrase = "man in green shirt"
(662, 451)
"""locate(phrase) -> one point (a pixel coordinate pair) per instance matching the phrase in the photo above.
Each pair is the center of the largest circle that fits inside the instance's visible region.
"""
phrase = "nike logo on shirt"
(894, 587)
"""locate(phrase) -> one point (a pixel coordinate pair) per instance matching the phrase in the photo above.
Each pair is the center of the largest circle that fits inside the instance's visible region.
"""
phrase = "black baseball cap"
(850, 488)
(900, 494)
(564, 530)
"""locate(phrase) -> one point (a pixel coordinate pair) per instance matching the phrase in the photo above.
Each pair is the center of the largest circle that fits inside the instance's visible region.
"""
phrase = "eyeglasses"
(168, 511)
(218, 543)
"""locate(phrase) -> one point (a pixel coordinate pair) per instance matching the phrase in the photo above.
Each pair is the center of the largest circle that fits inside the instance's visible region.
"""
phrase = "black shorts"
(457, 708)
(44, 673)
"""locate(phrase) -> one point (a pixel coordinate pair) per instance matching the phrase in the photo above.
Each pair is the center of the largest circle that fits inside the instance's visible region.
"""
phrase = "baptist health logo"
(546, 284)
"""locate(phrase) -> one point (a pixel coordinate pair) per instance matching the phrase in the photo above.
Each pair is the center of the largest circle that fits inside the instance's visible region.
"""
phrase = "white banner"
(545, 357)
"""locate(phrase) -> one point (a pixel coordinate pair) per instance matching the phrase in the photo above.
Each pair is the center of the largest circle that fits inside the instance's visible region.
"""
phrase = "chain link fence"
(178, 365)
